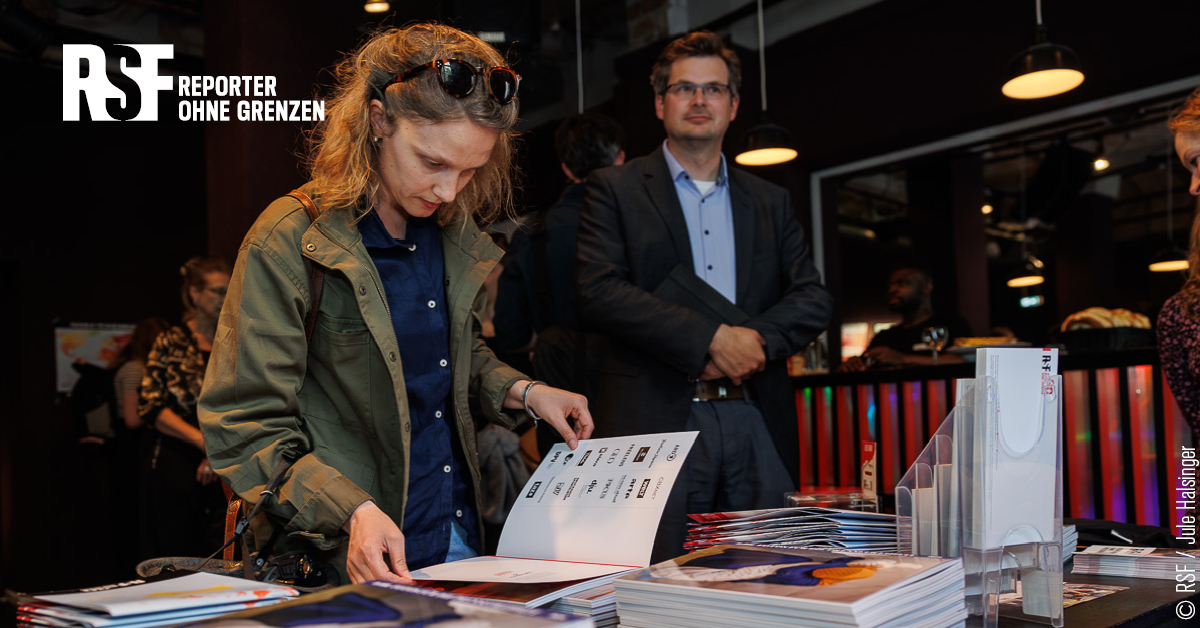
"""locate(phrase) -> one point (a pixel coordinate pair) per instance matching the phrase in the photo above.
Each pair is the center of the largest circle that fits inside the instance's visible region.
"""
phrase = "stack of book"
(599, 603)
(144, 604)
(1070, 541)
(1136, 562)
(396, 606)
(529, 595)
(756, 586)
(806, 526)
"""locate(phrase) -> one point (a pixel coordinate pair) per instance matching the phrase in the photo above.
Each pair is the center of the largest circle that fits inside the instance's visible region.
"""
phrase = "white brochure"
(585, 513)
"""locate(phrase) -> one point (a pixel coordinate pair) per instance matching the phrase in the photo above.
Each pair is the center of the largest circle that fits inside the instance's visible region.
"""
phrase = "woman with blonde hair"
(379, 393)
(182, 504)
(1179, 320)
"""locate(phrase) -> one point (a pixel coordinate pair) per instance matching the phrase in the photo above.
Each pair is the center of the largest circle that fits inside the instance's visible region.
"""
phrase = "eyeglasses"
(709, 90)
(457, 78)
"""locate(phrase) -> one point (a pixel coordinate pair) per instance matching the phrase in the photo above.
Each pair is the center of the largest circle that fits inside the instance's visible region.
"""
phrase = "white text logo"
(100, 93)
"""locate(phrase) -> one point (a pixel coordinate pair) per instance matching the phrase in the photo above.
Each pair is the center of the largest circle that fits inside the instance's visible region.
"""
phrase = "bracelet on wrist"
(525, 401)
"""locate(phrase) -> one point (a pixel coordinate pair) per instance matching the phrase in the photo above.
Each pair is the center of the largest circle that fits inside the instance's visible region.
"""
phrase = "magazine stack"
(142, 603)
(1136, 562)
(395, 606)
(1070, 541)
(599, 603)
(806, 526)
(728, 585)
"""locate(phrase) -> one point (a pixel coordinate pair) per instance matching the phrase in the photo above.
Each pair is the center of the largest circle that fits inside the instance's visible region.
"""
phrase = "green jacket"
(342, 398)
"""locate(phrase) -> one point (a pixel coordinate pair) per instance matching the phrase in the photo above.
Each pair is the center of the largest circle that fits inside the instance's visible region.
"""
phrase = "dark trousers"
(733, 466)
(179, 516)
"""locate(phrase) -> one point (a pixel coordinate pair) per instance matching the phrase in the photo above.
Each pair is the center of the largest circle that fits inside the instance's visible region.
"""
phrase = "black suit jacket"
(632, 235)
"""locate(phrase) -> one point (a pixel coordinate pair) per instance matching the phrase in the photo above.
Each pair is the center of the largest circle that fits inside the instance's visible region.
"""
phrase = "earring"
(376, 139)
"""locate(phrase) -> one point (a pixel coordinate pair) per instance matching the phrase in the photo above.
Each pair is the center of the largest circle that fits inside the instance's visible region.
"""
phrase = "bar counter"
(1122, 431)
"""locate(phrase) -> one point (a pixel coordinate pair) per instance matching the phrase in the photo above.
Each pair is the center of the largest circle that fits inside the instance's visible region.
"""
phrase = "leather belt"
(718, 389)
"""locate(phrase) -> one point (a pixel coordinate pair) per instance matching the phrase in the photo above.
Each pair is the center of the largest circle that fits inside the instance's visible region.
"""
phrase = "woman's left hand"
(558, 406)
(205, 474)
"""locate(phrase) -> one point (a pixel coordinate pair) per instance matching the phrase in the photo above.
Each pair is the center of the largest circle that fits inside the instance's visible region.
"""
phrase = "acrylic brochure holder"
(988, 487)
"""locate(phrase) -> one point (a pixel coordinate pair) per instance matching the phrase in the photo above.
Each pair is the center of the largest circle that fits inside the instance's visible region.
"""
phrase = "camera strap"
(287, 459)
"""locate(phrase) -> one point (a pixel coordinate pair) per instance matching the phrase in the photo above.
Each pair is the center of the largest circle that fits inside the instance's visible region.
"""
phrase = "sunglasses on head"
(457, 78)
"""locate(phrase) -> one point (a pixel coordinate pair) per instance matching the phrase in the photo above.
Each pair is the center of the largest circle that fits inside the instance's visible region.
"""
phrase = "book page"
(598, 504)
(516, 570)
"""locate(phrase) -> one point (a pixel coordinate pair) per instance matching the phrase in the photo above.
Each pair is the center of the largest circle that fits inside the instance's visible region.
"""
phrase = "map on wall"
(98, 343)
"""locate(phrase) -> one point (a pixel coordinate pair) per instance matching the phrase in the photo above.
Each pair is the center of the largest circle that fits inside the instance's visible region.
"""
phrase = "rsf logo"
(104, 98)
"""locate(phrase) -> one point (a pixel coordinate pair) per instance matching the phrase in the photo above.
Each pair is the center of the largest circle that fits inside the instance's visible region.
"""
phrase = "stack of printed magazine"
(142, 604)
(599, 603)
(396, 606)
(1070, 540)
(1136, 562)
(730, 585)
(806, 526)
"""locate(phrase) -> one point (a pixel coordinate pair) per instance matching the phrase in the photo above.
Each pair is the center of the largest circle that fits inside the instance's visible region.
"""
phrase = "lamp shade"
(1029, 274)
(1169, 260)
(766, 144)
(1043, 69)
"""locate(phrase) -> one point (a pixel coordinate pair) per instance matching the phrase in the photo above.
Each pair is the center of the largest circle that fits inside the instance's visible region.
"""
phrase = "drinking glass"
(935, 337)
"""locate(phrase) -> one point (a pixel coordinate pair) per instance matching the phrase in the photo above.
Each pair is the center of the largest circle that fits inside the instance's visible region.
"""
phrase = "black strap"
(286, 460)
(317, 280)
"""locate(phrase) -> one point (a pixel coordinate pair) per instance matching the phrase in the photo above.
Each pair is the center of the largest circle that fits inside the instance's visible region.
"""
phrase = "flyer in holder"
(585, 513)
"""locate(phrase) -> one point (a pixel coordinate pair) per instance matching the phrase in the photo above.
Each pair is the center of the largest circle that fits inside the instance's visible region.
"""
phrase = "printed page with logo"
(585, 513)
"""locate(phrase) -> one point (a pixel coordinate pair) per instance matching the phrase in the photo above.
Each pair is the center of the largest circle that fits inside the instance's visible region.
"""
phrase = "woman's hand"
(556, 406)
(205, 474)
(373, 534)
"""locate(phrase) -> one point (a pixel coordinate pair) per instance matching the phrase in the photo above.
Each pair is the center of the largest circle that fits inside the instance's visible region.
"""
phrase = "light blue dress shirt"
(709, 218)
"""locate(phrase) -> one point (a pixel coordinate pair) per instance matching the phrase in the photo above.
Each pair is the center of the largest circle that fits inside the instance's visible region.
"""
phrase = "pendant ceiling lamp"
(1029, 274)
(1043, 69)
(766, 143)
(1170, 259)
(1030, 271)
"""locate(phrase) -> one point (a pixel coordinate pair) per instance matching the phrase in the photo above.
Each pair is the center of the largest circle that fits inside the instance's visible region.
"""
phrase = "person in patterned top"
(182, 504)
(1179, 321)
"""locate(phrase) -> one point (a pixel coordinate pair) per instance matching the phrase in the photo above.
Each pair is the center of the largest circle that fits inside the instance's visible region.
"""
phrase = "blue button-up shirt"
(412, 271)
(709, 218)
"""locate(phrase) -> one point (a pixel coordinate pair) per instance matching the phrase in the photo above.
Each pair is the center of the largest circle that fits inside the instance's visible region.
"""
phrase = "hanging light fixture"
(766, 143)
(1101, 162)
(1030, 271)
(376, 7)
(1043, 69)
(1170, 259)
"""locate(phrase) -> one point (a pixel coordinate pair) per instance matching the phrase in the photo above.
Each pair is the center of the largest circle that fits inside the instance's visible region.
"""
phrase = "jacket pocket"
(342, 331)
(337, 386)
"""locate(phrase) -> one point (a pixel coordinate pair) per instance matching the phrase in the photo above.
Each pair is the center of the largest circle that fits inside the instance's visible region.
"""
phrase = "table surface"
(1146, 603)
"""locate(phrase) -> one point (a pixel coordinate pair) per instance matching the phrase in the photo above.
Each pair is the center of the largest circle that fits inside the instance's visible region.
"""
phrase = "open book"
(585, 516)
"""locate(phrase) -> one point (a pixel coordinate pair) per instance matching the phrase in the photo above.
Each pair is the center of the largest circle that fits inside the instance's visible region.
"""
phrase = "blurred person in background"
(536, 309)
(182, 505)
(910, 294)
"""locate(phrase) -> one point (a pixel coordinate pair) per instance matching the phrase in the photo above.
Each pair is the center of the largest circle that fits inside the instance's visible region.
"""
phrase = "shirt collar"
(375, 235)
(677, 170)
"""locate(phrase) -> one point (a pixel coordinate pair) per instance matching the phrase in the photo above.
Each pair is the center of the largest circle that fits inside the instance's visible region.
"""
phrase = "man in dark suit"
(700, 276)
